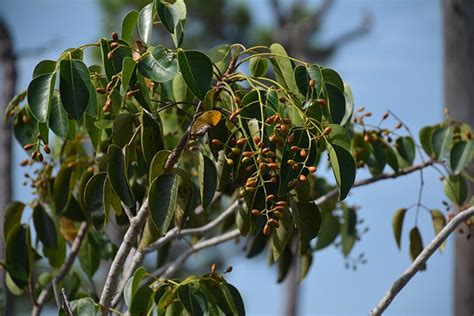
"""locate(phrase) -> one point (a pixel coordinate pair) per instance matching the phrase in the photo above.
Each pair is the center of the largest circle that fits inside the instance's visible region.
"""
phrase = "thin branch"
(65, 303)
(63, 271)
(420, 260)
(323, 199)
(214, 241)
(169, 236)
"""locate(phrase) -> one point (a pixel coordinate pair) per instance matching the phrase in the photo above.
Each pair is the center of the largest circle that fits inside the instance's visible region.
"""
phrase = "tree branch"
(323, 199)
(63, 271)
(203, 244)
(421, 259)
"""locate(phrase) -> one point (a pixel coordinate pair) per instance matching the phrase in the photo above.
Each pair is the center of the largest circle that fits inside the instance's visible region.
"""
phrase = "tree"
(459, 58)
(164, 144)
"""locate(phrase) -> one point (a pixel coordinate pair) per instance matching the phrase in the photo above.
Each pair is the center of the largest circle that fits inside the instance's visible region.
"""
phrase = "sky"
(397, 66)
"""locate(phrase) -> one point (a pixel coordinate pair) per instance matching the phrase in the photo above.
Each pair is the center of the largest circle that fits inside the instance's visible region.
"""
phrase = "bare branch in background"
(409, 273)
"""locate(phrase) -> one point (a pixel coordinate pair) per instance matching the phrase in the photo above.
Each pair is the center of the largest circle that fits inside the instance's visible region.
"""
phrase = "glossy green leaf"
(197, 71)
(207, 180)
(305, 264)
(132, 285)
(128, 70)
(349, 104)
(391, 157)
(40, 92)
(12, 286)
(94, 199)
(425, 139)
(234, 298)
(192, 299)
(343, 167)
(45, 227)
(17, 259)
(74, 86)
(44, 67)
(122, 129)
(258, 66)
(57, 255)
(88, 257)
(282, 67)
(406, 148)
(307, 221)
(145, 22)
(416, 245)
(282, 234)
(128, 25)
(329, 231)
(439, 221)
(336, 103)
(12, 216)
(158, 65)
(151, 137)
(117, 173)
(284, 265)
(157, 165)
(162, 200)
(348, 230)
(455, 188)
(169, 15)
(84, 306)
(461, 155)
(58, 121)
(111, 201)
(441, 140)
(397, 224)
(61, 188)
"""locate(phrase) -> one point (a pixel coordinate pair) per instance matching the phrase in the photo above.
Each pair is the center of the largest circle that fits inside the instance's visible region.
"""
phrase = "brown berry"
(216, 142)
(247, 154)
(273, 166)
(312, 169)
(256, 139)
(282, 99)
(229, 161)
(90, 169)
(312, 83)
(26, 120)
(229, 269)
(100, 90)
(272, 138)
(28, 146)
(40, 156)
(24, 162)
(115, 36)
(46, 149)
(241, 141)
(256, 212)
(385, 115)
(262, 166)
(399, 125)
(284, 128)
(295, 148)
(238, 100)
(303, 153)
(327, 131)
(114, 45)
(213, 268)
(270, 197)
(266, 230)
(110, 55)
(302, 178)
(322, 102)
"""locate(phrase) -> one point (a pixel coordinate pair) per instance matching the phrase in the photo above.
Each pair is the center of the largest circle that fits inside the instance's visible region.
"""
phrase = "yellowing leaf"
(205, 121)
(67, 229)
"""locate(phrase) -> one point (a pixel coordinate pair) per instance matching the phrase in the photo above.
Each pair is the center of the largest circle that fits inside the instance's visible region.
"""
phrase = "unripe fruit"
(40, 156)
(235, 150)
(131, 93)
(272, 221)
(100, 90)
(256, 139)
(291, 162)
(399, 125)
(327, 131)
(46, 149)
(273, 166)
(256, 212)
(229, 161)
(229, 269)
(238, 100)
(303, 153)
(260, 144)
(90, 169)
(274, 179)
(216, 142)
(282, 99)
(270, 197)
(246, 159)
(213, 268)
(312, 169)
(281, 203)
(247, 154)
(114, 45)
(312, 83)
(302, 178)
(241, 141)
(110, 55)
(295, 148)
(385, 115)
(262, 166)
(115, 36)
(266, 230)
(284, 128)
(26, 120)
(28, 146)
(272, 138)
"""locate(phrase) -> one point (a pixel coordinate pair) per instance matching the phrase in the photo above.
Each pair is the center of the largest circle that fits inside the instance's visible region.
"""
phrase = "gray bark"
(459, 97)
(9, 76)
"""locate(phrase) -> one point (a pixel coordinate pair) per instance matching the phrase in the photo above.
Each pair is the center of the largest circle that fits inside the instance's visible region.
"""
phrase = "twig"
(171, 235)
(421, 259)
(63, 271)
(65, 305)
(178, 263)
(323, 199)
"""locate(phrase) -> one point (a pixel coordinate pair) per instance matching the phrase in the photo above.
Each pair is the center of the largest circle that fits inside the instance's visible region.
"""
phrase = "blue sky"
(397, 66)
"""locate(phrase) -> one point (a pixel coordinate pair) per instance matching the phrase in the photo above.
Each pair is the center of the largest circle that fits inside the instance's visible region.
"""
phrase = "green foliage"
(166, 128)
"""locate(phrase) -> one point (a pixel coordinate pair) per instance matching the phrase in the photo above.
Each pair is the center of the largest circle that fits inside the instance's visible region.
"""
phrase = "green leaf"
(461, 155)
(11, 285)
(145, 22)
(117, 173)
(343, 167)
(128, 70)
(169, 15)
(207, 180)
(397, 224)
(17, 259)
(455, 188)
(348, 230)
(441, 140)
(12, 216)
(349, 104)
(61, 188)
(234, 298)
(56, 256)
(391, 157)
(162, 200)
(332, 77)
(157, 165)
(406, 148)
(111, 200)
(88, 257)
(44, 226)
(151, 137)
(40, 92)
(305, 263)
(122, 129)
(308, 222)
(94, 199)
(44, 67)
(132, 285)
(84, 306)
(58, 121)
(258, 66)
(336, 103)
(282, 67)
(158, 65)
(439, 221)
(284, 264)
(192, 299)
(425, 139)
(282, 234)
(128, 25)
(74, 86)
(197, 71)
(329, 231)
(416, 245)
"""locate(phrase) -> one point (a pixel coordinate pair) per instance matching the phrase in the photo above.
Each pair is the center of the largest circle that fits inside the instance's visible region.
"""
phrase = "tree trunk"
(9, 74)
(459, 97)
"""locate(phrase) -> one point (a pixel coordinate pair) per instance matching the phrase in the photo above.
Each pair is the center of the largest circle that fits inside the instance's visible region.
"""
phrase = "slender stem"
(63, 271)
(409, 273)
